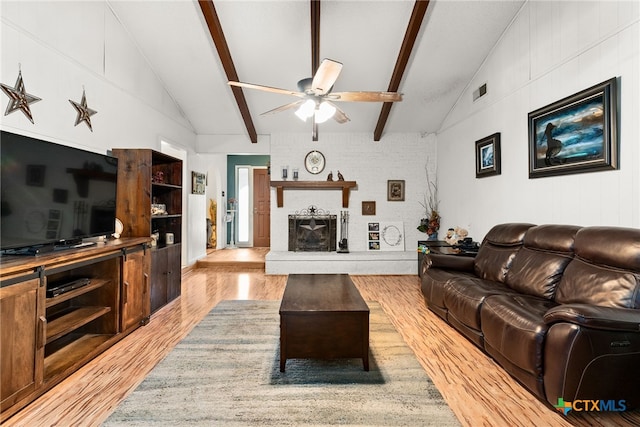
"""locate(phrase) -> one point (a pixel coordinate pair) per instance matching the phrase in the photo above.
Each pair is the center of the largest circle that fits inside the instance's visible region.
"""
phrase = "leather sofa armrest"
(595, 317)
(448, 262)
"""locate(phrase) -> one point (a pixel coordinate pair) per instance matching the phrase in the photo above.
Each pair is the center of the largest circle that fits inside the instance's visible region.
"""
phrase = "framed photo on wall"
(198, 183)
(488, 156)
(369, 208)
(575, 134)
(395, 190)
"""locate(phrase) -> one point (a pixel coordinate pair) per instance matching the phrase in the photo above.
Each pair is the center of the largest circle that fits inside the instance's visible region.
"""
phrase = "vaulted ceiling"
(276, 43)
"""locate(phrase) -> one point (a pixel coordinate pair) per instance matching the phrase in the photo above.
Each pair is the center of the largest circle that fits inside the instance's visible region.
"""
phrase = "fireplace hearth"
(312, 230)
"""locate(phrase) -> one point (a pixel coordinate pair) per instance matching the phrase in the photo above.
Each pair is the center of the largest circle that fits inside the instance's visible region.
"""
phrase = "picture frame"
(395, 190)
(373, 236)
(369, 208)
(576, 134)
(198, 182)
(488, 156)
(35, 175)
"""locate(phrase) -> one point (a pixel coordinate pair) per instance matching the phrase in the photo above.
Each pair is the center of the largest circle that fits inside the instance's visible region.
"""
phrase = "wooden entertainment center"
(44, 339)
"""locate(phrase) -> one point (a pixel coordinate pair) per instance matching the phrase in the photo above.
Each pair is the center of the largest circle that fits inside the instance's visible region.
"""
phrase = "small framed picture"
(369, 208)
(488, 156)
(35, 175)
(395, 190)
(198, 183)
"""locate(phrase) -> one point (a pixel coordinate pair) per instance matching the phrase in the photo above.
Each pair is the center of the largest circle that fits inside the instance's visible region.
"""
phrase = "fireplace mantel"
(345, 186)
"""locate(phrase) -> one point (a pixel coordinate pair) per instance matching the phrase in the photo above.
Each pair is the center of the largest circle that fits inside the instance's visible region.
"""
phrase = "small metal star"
(19, 98)
(84, 112)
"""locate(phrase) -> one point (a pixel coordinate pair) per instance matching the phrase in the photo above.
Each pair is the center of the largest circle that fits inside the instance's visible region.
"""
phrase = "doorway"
(261, 209)
(252, 218)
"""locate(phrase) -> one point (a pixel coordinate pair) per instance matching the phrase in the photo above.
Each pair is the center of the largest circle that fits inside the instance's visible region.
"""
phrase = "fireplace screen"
(312, 230)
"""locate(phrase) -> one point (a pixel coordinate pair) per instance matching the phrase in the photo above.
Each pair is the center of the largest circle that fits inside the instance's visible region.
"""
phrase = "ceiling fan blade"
(267, 88)
(339, 116)
(325, 76)
(365, 96)
(284, 107)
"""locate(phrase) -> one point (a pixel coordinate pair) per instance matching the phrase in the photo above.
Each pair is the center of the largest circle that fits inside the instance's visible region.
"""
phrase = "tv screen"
(53, 194)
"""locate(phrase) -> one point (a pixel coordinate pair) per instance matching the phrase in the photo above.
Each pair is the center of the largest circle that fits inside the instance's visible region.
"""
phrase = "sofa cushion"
(605, 270)
(514, 329)
(498, 249)
(464, 296)
(538, 266)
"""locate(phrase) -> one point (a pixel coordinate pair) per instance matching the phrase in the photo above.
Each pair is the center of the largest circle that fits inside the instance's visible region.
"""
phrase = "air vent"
(481, 91)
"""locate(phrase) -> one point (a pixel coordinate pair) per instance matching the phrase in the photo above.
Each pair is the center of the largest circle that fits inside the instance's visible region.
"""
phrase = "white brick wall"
(360, 159)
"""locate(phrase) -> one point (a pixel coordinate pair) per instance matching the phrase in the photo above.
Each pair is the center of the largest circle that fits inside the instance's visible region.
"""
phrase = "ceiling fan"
(317, 100)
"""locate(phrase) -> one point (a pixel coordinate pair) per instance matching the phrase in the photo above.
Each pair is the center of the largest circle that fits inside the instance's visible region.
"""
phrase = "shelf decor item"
(488, 156)
(19, 99)
(575, 134)
(430, 223)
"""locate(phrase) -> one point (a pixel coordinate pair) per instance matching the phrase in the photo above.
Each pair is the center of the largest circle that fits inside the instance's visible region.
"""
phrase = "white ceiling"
(270, 44)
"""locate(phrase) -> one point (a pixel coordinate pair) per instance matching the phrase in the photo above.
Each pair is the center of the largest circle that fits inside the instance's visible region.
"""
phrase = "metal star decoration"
(84, 112)
(19, 98)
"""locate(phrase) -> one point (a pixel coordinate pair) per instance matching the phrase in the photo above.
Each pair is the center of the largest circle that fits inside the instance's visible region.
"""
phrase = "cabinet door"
(136, 302)
(21, 340)
(158, 279)
(174, 272)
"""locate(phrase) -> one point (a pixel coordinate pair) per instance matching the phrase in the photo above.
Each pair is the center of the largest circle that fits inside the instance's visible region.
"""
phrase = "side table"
(439, 247)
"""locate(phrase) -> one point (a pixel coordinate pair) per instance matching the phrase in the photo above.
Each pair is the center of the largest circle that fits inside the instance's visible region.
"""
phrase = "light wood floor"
(479, 392)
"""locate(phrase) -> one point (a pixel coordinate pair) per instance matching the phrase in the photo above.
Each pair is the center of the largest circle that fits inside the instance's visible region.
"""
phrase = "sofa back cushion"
(605, 270)
(498, 249)
(538, 266)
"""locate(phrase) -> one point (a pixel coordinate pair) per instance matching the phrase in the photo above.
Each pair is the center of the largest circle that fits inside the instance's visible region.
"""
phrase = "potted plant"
(430, 224)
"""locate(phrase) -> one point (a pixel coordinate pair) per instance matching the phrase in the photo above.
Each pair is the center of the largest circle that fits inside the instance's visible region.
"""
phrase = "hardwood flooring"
(476, 389)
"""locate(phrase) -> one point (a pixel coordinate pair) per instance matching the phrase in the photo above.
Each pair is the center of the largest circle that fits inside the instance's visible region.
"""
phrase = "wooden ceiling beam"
(410, 36)
(215, 29)
(315, 52)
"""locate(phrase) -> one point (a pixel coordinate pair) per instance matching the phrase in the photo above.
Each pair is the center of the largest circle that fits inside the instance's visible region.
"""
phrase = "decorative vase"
(432, 236)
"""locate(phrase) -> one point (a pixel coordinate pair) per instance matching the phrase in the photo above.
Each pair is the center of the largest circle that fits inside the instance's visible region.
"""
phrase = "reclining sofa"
(556, 306)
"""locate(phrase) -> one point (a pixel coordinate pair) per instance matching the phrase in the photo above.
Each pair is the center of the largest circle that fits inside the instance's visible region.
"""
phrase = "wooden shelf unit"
(345, 186)
(45, 340)
(147, 177)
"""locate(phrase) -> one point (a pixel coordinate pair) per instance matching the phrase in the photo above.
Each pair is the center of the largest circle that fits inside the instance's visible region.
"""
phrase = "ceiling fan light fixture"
(306, 110)
(324, 112)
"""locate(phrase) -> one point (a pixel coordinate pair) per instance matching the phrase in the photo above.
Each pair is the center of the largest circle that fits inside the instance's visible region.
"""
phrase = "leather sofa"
(556, 306)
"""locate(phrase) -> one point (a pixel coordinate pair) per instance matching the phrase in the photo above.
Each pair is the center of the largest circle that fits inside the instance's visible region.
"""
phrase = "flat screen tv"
(53, 195)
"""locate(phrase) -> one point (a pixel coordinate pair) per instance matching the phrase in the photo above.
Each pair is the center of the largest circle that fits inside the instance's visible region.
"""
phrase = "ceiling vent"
(480, 92)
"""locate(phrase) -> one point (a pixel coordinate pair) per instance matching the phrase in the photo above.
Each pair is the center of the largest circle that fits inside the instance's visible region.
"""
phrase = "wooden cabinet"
(165, 276)
(150, 201)
(21, 358)
(45, 335)
(136, 269)
(81, 322)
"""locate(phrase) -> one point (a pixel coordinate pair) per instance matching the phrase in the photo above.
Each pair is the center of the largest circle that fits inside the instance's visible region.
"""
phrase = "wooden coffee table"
(323, 316)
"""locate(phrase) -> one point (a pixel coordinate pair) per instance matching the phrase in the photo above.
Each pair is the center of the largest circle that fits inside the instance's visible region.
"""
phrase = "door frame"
(251, 168)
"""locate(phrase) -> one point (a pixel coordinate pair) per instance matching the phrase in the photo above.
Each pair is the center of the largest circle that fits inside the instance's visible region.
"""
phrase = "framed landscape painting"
(576, 134)
(488, 156)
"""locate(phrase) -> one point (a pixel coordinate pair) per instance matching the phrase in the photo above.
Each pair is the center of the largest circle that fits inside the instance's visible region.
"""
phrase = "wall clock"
(314, 162)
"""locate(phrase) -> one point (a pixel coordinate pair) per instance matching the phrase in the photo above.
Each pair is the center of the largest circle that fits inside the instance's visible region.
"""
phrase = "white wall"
(85, 46)
(552, 50)
(359, 158)
(213, 151)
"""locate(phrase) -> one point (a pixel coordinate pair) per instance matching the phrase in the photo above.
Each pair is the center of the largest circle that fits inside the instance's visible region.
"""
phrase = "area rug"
(226, 372)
